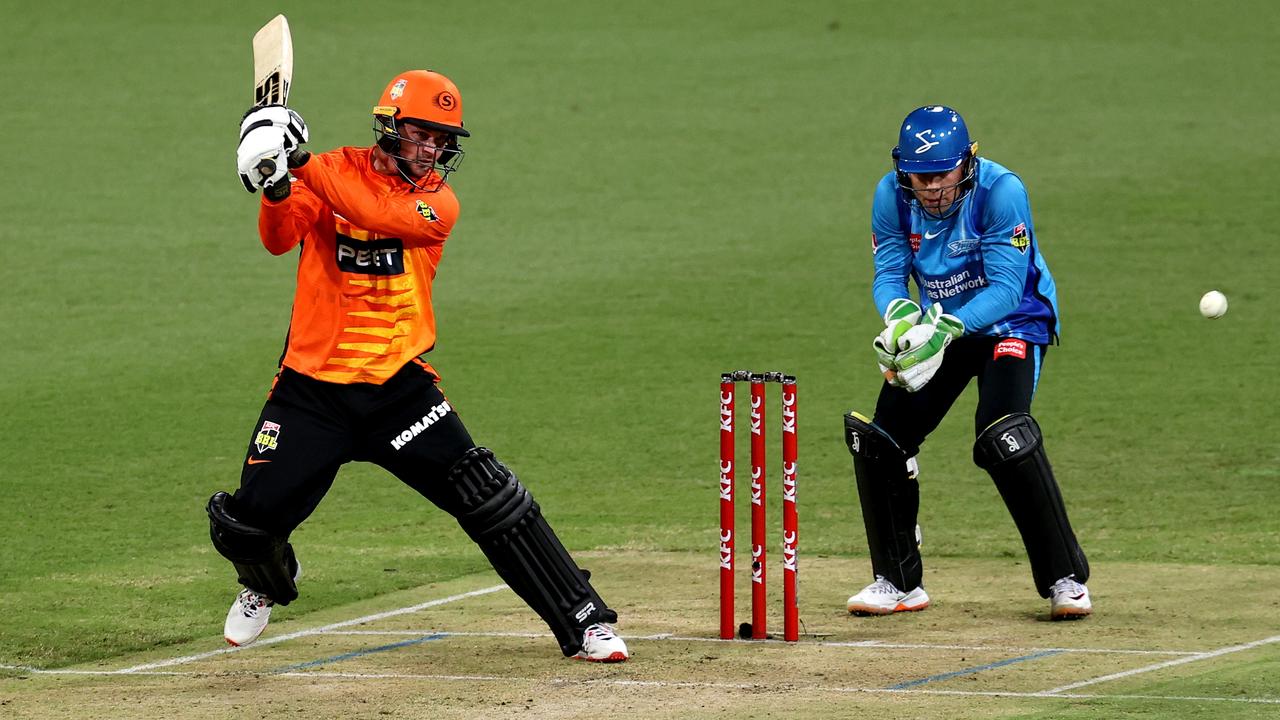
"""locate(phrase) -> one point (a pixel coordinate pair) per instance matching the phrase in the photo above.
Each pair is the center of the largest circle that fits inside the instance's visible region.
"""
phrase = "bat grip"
(267, 168)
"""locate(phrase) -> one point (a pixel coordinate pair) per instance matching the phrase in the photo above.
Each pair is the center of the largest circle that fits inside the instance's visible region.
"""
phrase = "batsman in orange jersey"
(372, 223)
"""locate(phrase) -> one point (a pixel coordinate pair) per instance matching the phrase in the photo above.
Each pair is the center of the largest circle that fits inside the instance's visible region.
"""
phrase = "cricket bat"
(272, 71)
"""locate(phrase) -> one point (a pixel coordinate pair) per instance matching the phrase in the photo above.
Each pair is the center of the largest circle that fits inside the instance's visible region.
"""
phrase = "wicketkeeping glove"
(922, 347)
(898, 319)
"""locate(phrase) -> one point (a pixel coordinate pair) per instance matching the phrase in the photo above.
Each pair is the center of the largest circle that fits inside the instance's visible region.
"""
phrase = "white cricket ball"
(1213, 304)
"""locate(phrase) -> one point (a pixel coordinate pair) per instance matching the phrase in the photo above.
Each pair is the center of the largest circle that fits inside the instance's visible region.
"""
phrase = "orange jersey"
(370, 247)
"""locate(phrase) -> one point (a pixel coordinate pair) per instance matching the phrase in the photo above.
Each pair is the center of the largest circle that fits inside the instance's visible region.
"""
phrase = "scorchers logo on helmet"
(425, 97)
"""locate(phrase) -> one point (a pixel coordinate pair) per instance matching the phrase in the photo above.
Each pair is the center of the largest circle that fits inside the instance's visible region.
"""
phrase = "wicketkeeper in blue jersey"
(960, 226)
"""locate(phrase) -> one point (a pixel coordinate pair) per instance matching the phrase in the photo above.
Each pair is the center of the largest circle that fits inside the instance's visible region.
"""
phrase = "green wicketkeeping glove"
(901, 315)
(922, 347)
(902, 309)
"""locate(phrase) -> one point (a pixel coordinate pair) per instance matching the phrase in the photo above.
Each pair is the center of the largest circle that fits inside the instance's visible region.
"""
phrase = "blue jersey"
(982, 263)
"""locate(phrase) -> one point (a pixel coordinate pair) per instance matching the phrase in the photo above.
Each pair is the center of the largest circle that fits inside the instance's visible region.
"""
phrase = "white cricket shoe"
(247, 618)
(883, 598)
(1069, 600)
(600, 644)
(249, 614)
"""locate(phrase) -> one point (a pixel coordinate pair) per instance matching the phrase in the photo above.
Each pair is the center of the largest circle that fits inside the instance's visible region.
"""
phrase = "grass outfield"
(653, 194)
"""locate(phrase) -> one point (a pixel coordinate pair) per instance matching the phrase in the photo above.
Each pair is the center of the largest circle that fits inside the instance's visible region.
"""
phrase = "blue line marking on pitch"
(358, 653)
(972, 670)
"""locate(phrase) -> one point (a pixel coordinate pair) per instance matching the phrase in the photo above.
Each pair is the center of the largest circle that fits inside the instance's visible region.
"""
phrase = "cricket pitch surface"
(1157, 646)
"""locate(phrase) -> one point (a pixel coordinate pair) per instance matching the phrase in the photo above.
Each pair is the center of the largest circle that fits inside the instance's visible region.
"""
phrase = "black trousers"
(309, 428)
(1006, 384)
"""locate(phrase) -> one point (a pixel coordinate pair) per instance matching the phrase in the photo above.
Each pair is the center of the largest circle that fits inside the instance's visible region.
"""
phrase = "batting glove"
(922, 347)
(280, 116)
(262, 149)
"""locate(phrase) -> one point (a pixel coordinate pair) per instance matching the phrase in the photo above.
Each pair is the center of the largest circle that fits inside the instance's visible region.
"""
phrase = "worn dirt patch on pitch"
(986, 633)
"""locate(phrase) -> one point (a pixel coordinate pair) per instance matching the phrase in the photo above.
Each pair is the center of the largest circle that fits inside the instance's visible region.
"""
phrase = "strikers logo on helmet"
(445, 101)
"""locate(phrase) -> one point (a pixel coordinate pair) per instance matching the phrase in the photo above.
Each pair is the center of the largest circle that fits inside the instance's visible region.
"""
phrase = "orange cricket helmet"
(425, 98)
(428, 100)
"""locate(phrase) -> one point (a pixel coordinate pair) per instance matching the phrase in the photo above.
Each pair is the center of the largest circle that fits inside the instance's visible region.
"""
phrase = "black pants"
(309, 428)
(1006, 384)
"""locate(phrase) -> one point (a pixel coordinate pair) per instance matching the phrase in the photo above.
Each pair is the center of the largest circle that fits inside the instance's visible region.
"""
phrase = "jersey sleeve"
(889, 246)
(1007, 222)
(415, 218)
(282, 225)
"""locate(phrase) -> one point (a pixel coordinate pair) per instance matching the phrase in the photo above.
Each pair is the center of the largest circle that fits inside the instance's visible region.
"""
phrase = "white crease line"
(313, 631)
(856, 644)
(57, 671)
(446, 633)
(676, 685)
(1169, 663)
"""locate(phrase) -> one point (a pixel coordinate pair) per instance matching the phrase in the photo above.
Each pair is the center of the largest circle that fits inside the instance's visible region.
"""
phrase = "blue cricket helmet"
(933, 139)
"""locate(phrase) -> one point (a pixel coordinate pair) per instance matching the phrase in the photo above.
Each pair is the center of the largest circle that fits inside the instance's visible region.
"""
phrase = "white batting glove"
(280, 116)
(262, 149)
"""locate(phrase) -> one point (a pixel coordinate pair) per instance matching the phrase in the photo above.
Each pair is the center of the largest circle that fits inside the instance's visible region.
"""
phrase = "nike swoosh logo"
(930, 236)
(257, 461)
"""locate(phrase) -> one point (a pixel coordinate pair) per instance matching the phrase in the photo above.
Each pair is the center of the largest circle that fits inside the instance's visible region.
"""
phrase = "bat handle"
(267, 168)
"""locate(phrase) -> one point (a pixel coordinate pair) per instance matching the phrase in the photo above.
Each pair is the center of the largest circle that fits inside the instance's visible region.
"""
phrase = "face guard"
(387, 132)
(962, 189)
(427, 100)
(934, 139)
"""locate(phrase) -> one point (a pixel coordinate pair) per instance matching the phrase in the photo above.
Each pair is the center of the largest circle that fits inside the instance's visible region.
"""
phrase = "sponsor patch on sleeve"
(1020, 239)
(1011, 347)
(427, 212)
(875, 245)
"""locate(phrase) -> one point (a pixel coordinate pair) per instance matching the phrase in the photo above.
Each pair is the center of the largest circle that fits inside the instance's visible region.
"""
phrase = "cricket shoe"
(1069, 600)
(249, 614)
(600, 644)
(883, 598)
(247, 618)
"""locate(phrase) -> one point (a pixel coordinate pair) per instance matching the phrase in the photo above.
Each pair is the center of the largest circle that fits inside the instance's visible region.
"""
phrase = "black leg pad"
(264, 562)
(890, 500)
(1011, 450)
(498, 512)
